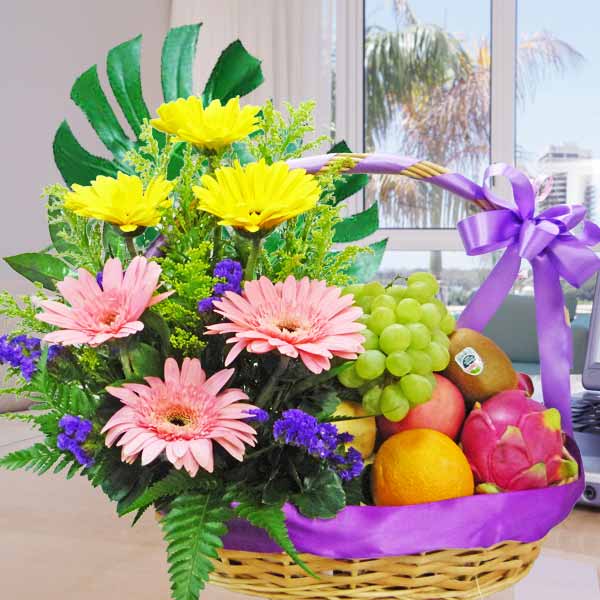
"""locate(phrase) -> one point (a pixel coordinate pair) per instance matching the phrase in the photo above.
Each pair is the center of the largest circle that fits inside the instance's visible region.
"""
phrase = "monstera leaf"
(235, 73)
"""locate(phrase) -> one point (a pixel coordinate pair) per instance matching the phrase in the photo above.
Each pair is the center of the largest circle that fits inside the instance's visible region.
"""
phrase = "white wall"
(44, 46)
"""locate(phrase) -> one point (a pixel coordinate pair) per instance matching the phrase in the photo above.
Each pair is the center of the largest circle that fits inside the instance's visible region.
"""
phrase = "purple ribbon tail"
(489, 297)
(555, 340)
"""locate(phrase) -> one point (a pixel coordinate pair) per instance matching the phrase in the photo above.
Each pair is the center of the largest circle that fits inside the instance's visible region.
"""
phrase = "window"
(540, 111)
(426, 86)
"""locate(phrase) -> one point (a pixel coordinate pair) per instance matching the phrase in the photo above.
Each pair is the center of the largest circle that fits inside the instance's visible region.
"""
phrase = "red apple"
(445, 412)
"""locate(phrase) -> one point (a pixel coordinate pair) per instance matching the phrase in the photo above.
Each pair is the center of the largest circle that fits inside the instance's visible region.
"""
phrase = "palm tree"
(432, 94)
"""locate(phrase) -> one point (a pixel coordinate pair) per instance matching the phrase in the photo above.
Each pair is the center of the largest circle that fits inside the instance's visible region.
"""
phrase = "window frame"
(350, 102)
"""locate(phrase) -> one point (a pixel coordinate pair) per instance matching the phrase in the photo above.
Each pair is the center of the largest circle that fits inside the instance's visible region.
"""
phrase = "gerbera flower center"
(290, 324)
(179, 419)
(108, 317)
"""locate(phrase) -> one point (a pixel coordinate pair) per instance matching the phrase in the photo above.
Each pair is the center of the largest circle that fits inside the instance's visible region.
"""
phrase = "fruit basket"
(207, 341)
(485, 543)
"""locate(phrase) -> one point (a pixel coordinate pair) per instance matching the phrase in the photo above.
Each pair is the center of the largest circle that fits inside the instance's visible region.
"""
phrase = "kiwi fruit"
(478, 366)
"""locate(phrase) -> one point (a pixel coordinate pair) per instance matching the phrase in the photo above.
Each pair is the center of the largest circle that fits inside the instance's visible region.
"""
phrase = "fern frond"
(271, 518)
(173, 484)
(193, 529)
(39, 458)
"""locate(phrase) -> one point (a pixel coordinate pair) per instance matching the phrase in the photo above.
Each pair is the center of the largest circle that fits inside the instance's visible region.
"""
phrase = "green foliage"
(186, 270)
(322, 495)
(281, 139)
(173, 484)
(22, 313)
(304, 249)
(40, 458)
(80, 241)
(365, 267)
(236, 72)
(150, 159)
(271, 518)
(358, 226)
(193, 528)
(59, 398)
(39, 267)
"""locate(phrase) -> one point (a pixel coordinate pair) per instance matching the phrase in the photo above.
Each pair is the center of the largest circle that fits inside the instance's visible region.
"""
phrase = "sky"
(566, 108)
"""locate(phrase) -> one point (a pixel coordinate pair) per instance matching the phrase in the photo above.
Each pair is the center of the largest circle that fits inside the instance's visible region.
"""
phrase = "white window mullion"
(503, 80)
(349, 80)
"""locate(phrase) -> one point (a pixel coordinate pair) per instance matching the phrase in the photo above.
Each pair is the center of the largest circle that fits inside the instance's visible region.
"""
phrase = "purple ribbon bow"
(546, 240)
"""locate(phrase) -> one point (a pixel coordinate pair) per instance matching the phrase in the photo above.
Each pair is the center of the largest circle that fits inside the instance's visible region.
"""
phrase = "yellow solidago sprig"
(122, 201)
(212, 128)
(257, 197)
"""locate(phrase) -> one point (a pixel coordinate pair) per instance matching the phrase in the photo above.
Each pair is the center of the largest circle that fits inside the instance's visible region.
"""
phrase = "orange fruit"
(417, 466)
(364, 430)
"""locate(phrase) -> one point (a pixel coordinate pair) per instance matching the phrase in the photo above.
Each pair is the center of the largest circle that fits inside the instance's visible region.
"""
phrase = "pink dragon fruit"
(515, 443)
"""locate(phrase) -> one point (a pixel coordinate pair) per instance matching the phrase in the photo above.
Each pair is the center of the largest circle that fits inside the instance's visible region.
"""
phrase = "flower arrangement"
(199, 344)
(183, 345)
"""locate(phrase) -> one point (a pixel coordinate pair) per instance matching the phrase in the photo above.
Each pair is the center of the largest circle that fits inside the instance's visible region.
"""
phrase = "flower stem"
(250, 269)
(267, 391)
(125, 362)
(131, 246)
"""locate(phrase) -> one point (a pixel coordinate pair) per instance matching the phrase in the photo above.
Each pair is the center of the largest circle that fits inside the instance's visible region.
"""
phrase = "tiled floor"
(61, 541)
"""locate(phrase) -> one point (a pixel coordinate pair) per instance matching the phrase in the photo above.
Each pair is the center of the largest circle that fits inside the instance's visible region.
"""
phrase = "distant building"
(575, 174)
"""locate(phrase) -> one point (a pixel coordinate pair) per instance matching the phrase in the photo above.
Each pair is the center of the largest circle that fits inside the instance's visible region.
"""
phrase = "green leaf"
(236, 73)
(123, 69)
(154, 322)
(193, 529)
(39, 458)
(177, 62)
(39, 267)
(271, 518)
(88, 95)
(349, 184)
(358, 226)
(366, 264)
(323, 496)
(146, 360)
(173, 484)
(77, 165)
(57, 225)
(113, 243)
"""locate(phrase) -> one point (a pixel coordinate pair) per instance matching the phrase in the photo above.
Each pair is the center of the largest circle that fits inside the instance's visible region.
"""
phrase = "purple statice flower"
(231, 271)
(206, 304)
(100, 279)
(21, 352)
(352, 466)
(75, 431)
(257, 414)
(321, 440)
(53, 351)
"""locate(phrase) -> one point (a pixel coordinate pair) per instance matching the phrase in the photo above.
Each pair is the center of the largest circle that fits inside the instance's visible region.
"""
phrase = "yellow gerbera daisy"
(257, 196)
(121, 201)
(212, 127)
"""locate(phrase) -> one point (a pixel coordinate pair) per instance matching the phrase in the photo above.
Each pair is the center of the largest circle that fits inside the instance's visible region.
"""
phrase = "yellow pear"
(364, 430)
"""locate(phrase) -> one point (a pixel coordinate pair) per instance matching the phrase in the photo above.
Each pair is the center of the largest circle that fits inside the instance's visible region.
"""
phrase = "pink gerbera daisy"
(180, 416)
(102, 312)
(298, 318)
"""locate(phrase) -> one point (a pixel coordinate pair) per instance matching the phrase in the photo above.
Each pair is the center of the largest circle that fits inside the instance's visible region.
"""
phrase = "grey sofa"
(514, 329)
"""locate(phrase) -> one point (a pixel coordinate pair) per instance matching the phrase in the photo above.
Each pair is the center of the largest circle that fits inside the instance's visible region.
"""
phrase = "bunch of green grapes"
(406, 340)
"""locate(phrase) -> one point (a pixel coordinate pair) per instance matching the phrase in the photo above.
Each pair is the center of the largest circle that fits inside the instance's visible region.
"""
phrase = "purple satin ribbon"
(547, 241)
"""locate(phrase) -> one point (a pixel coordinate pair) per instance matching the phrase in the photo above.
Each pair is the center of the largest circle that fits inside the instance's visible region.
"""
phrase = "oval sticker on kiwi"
(469, 361)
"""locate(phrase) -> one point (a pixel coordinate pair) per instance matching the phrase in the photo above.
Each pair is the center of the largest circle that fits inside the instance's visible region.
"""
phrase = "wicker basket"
(445, 574)
(458, 574)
